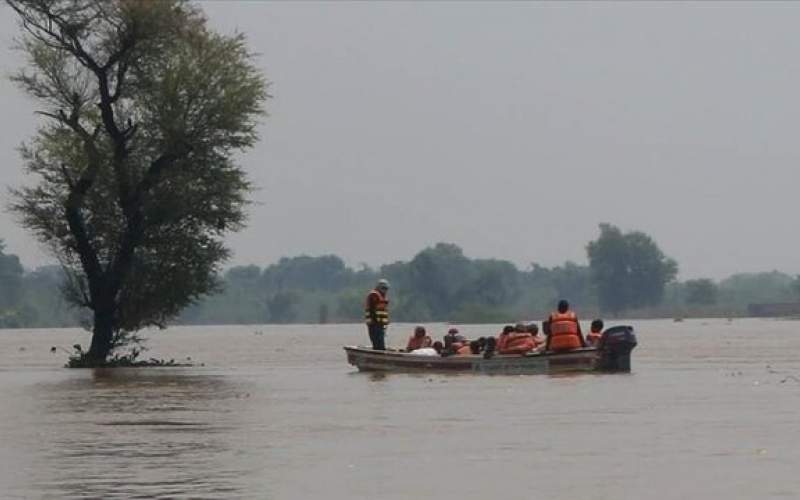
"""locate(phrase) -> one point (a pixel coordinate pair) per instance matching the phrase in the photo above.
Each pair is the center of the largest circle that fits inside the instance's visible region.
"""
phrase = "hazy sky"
(509, 129)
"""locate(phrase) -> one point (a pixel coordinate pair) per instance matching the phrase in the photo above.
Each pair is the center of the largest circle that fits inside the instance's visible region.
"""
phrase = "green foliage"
(10, 281)
(436, 276)
(746, 288)
(796, 285)
(146, 108)
(350, 305)
(702, 292)
(494, 292)
(82, 359)
(327, 272)
(570, 281)
(282, 306)
(628, 270)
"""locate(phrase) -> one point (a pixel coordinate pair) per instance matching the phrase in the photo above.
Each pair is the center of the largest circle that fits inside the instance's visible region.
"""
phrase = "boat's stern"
(615, 348)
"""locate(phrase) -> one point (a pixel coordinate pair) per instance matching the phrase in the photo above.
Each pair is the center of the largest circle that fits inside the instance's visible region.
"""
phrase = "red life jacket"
(564, 331)
(381, 308)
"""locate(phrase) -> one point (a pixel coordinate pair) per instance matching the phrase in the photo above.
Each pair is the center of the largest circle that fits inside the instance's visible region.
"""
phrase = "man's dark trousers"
(377, 335)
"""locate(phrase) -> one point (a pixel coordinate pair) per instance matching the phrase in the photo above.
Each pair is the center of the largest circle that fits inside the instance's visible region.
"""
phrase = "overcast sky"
(510, 129)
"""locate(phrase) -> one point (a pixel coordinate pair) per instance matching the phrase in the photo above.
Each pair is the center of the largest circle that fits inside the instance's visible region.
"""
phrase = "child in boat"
(595, 332)
(419, 339)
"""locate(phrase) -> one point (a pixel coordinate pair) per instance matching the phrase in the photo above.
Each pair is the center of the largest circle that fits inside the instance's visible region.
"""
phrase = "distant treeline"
(439, 284)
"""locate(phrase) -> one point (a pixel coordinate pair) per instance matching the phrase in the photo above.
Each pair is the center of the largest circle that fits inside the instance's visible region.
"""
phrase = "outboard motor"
(615, 348)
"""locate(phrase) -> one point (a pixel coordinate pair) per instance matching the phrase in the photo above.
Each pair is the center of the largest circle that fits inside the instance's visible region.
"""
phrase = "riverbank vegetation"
(438, 284)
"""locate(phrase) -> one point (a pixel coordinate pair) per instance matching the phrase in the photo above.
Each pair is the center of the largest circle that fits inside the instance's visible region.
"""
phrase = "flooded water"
(711, 410)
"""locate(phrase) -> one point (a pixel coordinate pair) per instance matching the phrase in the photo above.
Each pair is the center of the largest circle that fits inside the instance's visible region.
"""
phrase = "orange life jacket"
(564, 331)
(381, 308)
(592, 338)
(502, 340)
(517, 343)
(415, 342)
(463, 350)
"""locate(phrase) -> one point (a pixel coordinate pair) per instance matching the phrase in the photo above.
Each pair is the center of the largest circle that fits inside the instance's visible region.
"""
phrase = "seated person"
(478, 346)
(502, 338)
(454, 341)
(595, 332)
(418, 339)
(519, 341)
(472, 347)
(464, 350)
(538, 338)
(563, 329)
(490, 347)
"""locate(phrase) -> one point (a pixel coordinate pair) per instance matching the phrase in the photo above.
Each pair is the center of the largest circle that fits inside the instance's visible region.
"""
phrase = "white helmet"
(383, 283)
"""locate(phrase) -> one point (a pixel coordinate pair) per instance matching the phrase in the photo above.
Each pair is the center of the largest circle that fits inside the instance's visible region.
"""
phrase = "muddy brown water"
(711, 410)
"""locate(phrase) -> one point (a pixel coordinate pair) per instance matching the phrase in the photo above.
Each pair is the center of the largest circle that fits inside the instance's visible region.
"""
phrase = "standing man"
(376, 314)
(564, 330)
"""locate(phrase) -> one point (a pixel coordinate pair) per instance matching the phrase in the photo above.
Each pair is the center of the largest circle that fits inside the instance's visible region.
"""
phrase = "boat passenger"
(472, 347)
(454, 341)
(464, 350)
(478, 346)
(418, 339)
(596, 331)
(490, 347)
(538, 338)
(502, 338)
(565, 330)
(519, 341)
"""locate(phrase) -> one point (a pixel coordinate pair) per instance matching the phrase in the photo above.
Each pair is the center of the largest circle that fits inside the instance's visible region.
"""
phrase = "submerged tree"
(145, 107)
(629, 270)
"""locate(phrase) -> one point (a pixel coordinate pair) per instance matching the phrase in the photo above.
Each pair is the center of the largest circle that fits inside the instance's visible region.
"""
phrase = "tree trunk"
(102, 334)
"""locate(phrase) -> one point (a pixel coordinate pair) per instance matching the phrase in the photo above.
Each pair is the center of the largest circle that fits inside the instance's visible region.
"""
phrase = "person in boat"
(595, 332)
(518, 341)
(564, 329)
(376, 314)
(419, 339)
(538, 339)
(454, 341)
(471, 348)
(490, 348)
(478, 346)
(502, 338)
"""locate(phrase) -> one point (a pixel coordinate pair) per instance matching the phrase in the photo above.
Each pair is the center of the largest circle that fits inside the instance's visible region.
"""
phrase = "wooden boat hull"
(579, 360)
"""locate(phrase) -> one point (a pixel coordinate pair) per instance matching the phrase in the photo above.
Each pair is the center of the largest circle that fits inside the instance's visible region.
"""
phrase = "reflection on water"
(708, 412)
